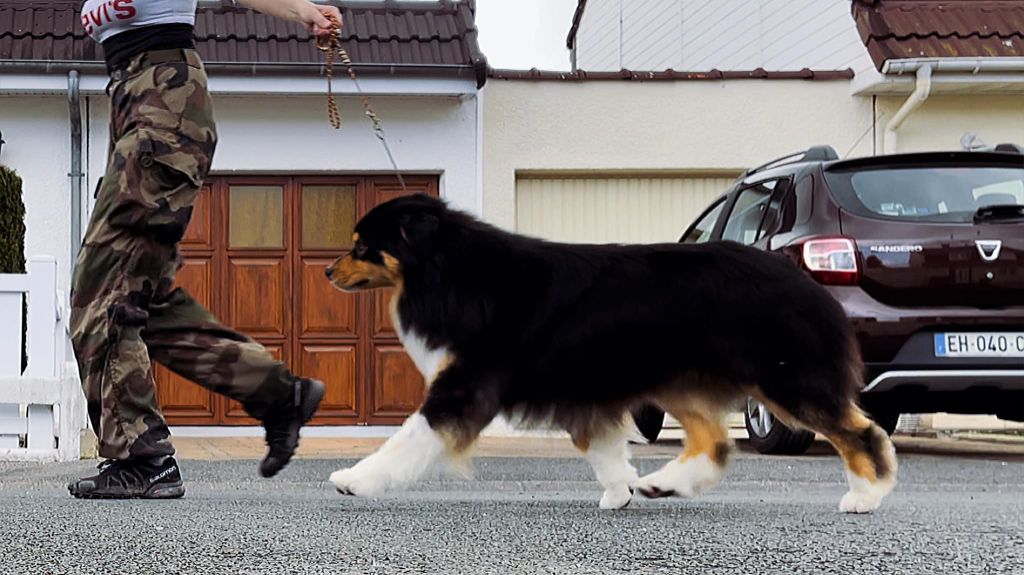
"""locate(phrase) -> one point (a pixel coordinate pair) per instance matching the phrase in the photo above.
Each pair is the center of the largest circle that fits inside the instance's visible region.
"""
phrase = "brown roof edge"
(671, 75)
(388, 35)
(577, 17)
(476, 55)
(895, 30)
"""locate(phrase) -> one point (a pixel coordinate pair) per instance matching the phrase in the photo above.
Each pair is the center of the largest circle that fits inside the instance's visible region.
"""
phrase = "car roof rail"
(812, 154)
(1010, 148)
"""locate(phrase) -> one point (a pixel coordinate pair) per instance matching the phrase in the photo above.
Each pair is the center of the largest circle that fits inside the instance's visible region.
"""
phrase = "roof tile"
(381, 32)
(896, 29)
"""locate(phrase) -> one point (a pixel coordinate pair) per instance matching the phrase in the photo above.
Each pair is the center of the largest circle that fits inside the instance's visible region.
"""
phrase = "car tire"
(770, 436)
(887, 420)
(649, 420)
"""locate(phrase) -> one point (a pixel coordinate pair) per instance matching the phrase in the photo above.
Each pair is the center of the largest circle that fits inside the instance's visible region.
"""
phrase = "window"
(749, 211)
(927, 194)
(700, 232)
(256, 217)
(328, 216)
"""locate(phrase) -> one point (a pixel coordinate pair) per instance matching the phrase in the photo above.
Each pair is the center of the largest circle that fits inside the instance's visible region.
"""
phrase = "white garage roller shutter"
(613, 209)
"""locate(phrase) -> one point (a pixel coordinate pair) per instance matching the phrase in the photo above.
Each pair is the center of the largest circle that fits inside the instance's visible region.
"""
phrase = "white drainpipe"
(920, 94)
(76, 175)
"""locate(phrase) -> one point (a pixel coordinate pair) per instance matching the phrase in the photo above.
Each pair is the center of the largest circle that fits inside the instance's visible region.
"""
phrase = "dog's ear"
(418, 230)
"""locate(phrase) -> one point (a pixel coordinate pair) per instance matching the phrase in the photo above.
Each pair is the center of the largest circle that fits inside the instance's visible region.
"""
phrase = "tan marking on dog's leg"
(705, 453)
(854, 456)
(582, 442)
(459, 446)
(869, 457)
(704, 436)
(866, 451)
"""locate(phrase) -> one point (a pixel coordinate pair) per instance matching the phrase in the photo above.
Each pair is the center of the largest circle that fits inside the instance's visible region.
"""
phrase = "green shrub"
(12, 237)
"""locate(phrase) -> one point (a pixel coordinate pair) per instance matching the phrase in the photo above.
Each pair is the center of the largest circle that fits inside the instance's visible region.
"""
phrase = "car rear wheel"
(649, 420)
(770, 436)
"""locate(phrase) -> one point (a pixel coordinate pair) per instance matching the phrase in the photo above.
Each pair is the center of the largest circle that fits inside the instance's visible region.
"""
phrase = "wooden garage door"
(255, 255)
(613, 209)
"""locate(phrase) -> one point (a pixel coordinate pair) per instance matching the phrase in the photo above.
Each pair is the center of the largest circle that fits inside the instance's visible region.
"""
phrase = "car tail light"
(831, 261)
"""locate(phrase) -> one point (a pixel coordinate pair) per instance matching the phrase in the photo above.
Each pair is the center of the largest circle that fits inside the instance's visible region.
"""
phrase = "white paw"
(353, 481)
(865, 496)
(616, 497)
(859, 502)
(684, 478)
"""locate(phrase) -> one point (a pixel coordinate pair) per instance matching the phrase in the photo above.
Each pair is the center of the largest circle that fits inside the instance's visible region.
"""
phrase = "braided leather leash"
(329, 45)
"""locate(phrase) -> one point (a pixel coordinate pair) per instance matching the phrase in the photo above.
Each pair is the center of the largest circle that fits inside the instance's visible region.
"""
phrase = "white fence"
(42, 411)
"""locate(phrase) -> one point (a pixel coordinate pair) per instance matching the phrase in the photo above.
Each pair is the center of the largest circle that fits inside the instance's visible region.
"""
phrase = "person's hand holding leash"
(321, 19)
(317, 18)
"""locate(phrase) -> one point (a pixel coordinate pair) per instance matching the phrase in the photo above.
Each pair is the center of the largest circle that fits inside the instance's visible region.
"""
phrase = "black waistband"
(120, 49)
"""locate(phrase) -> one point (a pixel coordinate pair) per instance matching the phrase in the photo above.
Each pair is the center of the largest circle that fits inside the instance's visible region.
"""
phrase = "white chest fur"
(429, 361)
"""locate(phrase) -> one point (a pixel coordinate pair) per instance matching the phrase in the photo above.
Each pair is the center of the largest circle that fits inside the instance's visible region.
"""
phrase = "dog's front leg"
(403, 459)
(608, 454)
(457, 408)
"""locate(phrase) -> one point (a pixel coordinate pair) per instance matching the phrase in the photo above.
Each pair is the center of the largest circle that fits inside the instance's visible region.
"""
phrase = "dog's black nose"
(328, 273)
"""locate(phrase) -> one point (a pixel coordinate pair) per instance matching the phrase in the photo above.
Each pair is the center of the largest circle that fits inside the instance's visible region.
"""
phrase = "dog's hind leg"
(705, 453)
(607, 451)
(867, 452)
(870, 460)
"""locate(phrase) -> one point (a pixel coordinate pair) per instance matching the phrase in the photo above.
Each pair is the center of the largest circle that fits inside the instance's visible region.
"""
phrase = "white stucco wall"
(291, 134)
(269, 134)
(38, 147)
(611, 126)
(942, 120)
(685, 126)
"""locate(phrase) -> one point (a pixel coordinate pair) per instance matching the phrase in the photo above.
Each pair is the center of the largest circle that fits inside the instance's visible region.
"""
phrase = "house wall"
(719, 34)
(598, 39)
(290, 134)
(39, 148)
(942, 120)
(651, 127)
(269, 134)
(652, 34)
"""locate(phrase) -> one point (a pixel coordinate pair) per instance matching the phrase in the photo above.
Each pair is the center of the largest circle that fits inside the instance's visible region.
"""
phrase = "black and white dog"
(577, 335)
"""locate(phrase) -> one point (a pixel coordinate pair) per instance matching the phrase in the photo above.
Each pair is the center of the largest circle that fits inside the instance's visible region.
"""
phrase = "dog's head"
(393, 235)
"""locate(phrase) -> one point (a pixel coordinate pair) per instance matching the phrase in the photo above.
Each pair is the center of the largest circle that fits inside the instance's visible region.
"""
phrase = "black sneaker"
(131, 479)
(283, 427)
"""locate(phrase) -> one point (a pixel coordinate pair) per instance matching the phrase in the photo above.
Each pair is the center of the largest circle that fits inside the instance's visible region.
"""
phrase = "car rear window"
(926, 194)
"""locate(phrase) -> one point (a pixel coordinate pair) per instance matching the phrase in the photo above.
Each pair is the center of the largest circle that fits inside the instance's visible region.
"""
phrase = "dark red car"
(926, 254)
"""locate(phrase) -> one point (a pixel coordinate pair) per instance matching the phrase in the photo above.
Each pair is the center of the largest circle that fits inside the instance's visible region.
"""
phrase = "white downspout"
(920, 94)
(76, 175)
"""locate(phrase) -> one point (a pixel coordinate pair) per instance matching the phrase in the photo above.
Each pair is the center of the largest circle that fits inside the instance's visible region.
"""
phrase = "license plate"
(989, 344)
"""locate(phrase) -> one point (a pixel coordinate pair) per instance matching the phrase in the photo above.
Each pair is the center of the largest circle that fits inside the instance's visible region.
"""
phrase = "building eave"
(33, 76)
(951, 76)
(670, 75)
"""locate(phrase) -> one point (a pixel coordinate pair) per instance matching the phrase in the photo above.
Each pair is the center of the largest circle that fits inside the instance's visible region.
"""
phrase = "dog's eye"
(360, 250)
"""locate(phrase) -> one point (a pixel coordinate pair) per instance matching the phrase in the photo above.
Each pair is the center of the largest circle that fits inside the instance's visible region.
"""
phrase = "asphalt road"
(522, 515)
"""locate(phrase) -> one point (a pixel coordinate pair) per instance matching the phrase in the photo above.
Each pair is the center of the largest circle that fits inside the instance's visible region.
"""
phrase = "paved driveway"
(950, 514)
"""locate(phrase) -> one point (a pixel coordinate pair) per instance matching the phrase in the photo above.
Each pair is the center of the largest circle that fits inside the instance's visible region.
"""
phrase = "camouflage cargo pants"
(125, 308)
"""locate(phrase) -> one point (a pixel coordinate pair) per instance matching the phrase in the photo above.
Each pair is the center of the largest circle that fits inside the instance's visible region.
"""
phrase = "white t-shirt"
(105, 18)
